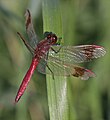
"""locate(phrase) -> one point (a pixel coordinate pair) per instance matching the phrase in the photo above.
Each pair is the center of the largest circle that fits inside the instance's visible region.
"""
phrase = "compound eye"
(55, 38)
(49, 36)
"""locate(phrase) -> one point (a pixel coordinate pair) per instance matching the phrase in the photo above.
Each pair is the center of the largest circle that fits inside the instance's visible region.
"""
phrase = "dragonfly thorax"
(44, 45)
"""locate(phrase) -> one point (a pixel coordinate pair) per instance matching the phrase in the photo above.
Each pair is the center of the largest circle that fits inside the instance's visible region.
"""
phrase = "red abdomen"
(26, 79)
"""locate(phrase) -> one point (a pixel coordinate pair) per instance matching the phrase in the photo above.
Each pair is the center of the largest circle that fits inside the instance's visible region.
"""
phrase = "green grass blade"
(57, 89)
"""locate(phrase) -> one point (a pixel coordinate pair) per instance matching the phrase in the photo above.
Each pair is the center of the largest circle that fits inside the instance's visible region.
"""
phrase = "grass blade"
(57, 89)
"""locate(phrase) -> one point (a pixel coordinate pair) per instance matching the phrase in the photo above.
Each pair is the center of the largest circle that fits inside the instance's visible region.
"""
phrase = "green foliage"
(57, 88)
(78, 22)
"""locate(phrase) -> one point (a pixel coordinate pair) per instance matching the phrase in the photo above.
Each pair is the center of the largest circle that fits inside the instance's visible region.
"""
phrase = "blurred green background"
(83, 22)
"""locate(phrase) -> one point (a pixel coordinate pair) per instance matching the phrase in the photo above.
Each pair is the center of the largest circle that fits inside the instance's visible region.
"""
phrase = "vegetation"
(78, 22)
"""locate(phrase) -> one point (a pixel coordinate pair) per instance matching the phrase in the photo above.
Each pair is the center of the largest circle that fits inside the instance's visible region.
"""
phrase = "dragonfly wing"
(42, 66)
(60, 68)
(30, 29)
(78, 54)
(83, 73)
(62, 62)
(63, 68)
(56, 67)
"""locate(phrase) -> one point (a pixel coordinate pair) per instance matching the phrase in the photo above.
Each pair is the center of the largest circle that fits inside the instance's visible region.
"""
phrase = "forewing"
(30, 29)
(62, 61)
(77, 54)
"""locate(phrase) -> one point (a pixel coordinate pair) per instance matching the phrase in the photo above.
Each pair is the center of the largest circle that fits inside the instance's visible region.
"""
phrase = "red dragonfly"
(58, 59)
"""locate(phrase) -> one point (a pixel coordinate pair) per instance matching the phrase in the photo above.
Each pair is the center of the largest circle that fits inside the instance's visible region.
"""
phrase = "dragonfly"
(49, 57)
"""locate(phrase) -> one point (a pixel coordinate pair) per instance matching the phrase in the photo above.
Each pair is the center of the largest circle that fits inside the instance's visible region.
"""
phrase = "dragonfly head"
(51, 37)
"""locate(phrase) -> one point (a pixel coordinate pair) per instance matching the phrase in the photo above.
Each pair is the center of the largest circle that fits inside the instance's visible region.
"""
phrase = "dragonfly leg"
(30, 48)
(56, 51)
(51, 72)
(49, 67)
